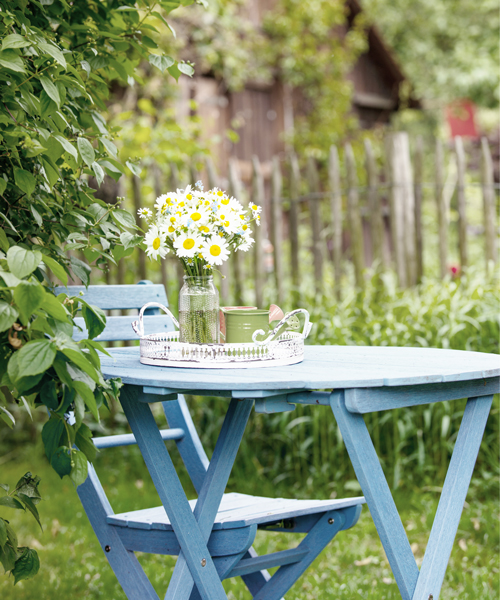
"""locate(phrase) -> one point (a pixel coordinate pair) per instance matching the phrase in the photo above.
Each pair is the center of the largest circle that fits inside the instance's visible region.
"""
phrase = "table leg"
(212, 489)
(413, 585)
(171, 493)
(378, 495)
(452, 499)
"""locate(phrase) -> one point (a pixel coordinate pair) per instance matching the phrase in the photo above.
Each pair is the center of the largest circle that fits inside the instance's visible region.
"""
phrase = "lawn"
(353, 566)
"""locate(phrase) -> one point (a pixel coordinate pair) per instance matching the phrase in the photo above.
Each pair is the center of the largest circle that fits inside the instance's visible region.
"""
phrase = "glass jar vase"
(199, 311)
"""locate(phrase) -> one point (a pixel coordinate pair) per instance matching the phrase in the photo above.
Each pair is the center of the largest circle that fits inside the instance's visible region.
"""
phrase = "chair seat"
(237, 510)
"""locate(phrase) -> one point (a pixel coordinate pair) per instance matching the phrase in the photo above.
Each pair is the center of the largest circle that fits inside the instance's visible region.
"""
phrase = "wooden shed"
(263, 112)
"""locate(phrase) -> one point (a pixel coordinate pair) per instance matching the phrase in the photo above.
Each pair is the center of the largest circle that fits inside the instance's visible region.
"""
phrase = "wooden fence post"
(376, 221)
(355, 223)
(403, 182)
(441, 210)
(419, 165)
(235, 189)
(490, 220)
(336, 216)
(461, 202)
(293, 224)
(314, 209)
(395, 210)
(258, 195)
(277, 226)
(213, 181)
(136, 192)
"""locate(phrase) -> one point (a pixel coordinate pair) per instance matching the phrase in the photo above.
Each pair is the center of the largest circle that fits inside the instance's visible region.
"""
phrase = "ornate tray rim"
(293, 340)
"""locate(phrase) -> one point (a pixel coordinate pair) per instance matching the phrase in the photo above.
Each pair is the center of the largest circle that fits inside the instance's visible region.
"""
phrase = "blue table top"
(324, 367)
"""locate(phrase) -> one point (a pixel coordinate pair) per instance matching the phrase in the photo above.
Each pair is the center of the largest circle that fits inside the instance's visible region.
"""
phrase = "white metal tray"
(277, 349)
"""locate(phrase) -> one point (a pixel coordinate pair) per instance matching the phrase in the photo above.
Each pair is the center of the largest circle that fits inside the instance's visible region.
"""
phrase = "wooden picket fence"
(376, 223)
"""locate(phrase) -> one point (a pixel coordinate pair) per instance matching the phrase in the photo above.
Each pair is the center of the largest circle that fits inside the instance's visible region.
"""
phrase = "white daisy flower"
(246, 243)
(145, 213)
(229, 220)
(155, 243)
(254, 208)
(187, 244)
(195, 217)
(165, 202)
(215, 250)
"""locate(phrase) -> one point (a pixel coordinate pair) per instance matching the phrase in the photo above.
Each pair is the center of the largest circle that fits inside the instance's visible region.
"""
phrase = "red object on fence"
(460, 118)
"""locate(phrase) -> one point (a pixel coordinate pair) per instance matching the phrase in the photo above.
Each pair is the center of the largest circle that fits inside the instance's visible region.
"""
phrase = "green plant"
(57, 62)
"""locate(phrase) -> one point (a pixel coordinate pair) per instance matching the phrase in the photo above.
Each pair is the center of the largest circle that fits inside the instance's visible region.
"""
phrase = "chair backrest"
(128, 297)
(122, 297)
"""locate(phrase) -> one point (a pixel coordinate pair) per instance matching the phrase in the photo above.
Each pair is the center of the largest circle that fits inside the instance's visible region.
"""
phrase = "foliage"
(57, 62)
(307, 46)
(314, 56)
(22, 562)
(449, 48)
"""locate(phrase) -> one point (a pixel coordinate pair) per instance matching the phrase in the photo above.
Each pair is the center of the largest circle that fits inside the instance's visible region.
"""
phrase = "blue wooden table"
(357, 380)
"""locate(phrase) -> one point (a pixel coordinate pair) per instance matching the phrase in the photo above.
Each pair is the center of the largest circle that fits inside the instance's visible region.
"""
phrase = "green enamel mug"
(241, 324)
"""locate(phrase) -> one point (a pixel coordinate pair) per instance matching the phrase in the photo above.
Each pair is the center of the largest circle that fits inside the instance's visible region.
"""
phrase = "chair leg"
(320, 535)
(124, 563)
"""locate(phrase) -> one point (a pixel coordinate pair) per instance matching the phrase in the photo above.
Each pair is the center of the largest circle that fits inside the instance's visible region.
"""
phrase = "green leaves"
(24, 180)
(80, 468)
(35, 357)
(54, 52)
(61, 461)
(27, 565)
(22, 262)
(28, 296)
(14, 41)
(124, 218)
(161, 62)
(51, 435)
(10, 60)
(86, 151)
(56, 268)
(50, 89)
(8, 316)
(95, 320)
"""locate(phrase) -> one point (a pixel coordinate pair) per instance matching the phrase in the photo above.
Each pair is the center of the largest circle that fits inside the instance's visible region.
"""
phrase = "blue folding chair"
(238, 516)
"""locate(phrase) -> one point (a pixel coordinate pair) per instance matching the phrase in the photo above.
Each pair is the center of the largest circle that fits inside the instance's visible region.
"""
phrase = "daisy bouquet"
(200, 227)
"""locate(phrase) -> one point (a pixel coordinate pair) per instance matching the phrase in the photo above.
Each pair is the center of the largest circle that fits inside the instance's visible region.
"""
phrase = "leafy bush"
(57, 62)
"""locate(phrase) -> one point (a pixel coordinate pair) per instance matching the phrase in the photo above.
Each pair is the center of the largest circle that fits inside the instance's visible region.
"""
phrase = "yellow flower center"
(254, 207)
(163, 208)
(189, 197)
(181, 204)
(172, 219)
(196, 216)
(219, 193)
(204, 229)
(188, 244)
(225, 201)
(226, 224)
(222, 217)
(156, 243)
(171, 229)
(214, 250)
(244, 227)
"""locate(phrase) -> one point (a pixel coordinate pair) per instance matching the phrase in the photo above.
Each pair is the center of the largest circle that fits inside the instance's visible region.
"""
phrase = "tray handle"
(305, 332)
(138, 326)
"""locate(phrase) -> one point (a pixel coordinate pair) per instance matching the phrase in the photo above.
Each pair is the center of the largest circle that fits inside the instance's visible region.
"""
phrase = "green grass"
(353, 565)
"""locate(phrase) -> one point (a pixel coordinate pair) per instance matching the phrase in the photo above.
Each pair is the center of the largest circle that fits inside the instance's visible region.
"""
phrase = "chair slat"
(121, 297)
(120, 328)
(238, 510)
